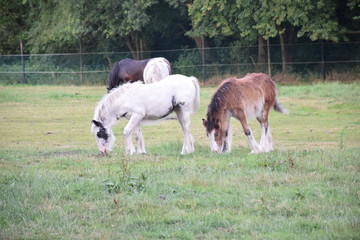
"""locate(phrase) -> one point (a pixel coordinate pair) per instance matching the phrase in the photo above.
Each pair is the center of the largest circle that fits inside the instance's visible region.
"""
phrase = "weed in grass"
(278, 161)
(125, 182)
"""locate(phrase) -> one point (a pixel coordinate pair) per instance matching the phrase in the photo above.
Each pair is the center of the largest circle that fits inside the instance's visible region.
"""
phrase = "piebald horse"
(146, 102)
(251, 96)
(148, 70)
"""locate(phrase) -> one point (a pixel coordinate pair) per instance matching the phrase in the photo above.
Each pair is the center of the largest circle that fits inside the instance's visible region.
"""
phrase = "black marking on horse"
(102, 134)
(98, 124)
(118, 117)
(266, 127)
(173, 107)
(266, 124)
(225, 147)
(102, 131)
(247, 132)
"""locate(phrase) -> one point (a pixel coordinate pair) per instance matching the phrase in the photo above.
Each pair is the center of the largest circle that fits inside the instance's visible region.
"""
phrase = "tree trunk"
(130, 45)
(261, 54)
(291, 34)
(22, 63)
(268, 56)
(283, 51)
(135, 45)
(81, 61)
(201, 43)
(322, 64)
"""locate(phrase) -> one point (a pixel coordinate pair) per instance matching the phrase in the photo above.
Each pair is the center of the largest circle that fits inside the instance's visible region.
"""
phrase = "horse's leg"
(228, 134)
(140, 142)
(255, 147)
(269, 139)
(133, 122)
(266, 137)
(265, 141)
(184, 120)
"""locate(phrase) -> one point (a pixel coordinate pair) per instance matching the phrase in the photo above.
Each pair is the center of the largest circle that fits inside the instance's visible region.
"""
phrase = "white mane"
(156, 69)
(102, 110)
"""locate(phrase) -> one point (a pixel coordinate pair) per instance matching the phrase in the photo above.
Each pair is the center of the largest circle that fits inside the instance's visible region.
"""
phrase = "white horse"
(156, 69)
(143, 102)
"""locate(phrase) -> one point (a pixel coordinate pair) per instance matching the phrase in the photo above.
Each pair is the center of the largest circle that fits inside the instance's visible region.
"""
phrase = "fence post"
(22, 63)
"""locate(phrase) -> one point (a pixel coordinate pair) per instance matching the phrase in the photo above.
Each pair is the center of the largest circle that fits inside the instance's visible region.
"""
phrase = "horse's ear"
(204, 122)
(98, 124)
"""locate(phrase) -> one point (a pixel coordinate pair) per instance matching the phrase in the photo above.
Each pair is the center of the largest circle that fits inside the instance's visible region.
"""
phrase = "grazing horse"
(148, 70)
(251, 96)
(146, 102)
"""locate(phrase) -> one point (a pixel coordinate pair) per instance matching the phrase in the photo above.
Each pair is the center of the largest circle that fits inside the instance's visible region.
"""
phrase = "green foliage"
(212, 18)
(125, 182)
(12, 25)
(59, 26)
(188, 63)
(317, 19)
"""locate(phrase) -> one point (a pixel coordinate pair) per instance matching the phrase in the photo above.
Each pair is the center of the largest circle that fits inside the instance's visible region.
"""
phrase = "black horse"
(147, 70)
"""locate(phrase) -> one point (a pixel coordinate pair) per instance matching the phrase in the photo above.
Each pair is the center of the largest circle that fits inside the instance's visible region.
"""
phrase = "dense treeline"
(83, 26)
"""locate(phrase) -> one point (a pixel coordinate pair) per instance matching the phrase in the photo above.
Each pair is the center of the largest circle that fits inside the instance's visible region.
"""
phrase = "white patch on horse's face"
(213, 144)
(105, 139)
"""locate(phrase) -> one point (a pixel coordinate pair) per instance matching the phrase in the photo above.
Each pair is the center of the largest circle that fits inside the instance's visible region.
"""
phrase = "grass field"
(53, 185)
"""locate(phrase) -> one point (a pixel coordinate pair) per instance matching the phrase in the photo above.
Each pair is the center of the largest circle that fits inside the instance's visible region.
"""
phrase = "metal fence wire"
(94, 68)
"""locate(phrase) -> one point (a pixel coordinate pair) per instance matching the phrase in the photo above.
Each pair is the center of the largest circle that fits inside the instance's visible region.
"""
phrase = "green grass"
(54, 186)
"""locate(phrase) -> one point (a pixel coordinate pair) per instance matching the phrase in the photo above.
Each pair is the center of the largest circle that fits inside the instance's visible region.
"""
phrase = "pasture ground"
(53, 185)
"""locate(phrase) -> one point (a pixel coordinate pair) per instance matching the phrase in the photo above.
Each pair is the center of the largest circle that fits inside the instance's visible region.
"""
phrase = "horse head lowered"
(139, 102)
(252, 96)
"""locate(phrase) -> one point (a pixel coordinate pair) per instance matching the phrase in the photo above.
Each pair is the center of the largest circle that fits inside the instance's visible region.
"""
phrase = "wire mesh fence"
(94, 68)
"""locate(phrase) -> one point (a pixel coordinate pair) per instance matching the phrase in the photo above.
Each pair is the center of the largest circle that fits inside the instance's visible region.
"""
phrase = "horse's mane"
(102, 110)
(216, 105)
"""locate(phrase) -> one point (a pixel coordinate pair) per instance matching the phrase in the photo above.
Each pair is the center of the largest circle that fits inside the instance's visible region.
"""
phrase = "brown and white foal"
(251, 96)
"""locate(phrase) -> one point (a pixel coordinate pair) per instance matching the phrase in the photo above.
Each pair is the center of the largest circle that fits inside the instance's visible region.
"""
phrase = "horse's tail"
(279, 108)
(196, 102)
(114, 79)
(156, 69)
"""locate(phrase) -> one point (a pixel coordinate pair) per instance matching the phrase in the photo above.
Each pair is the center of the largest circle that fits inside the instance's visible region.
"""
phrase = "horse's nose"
(215, 150)
(104, 151)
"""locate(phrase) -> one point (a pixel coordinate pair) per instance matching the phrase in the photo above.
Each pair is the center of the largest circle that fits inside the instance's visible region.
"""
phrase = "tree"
(266, 19)
(136, 22)
(226, 18)
(12, 25)
(125, 19)
(56, 25)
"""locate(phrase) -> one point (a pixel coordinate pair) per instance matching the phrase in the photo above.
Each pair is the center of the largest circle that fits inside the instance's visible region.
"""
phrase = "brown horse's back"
(249, 90)
(127, 70)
